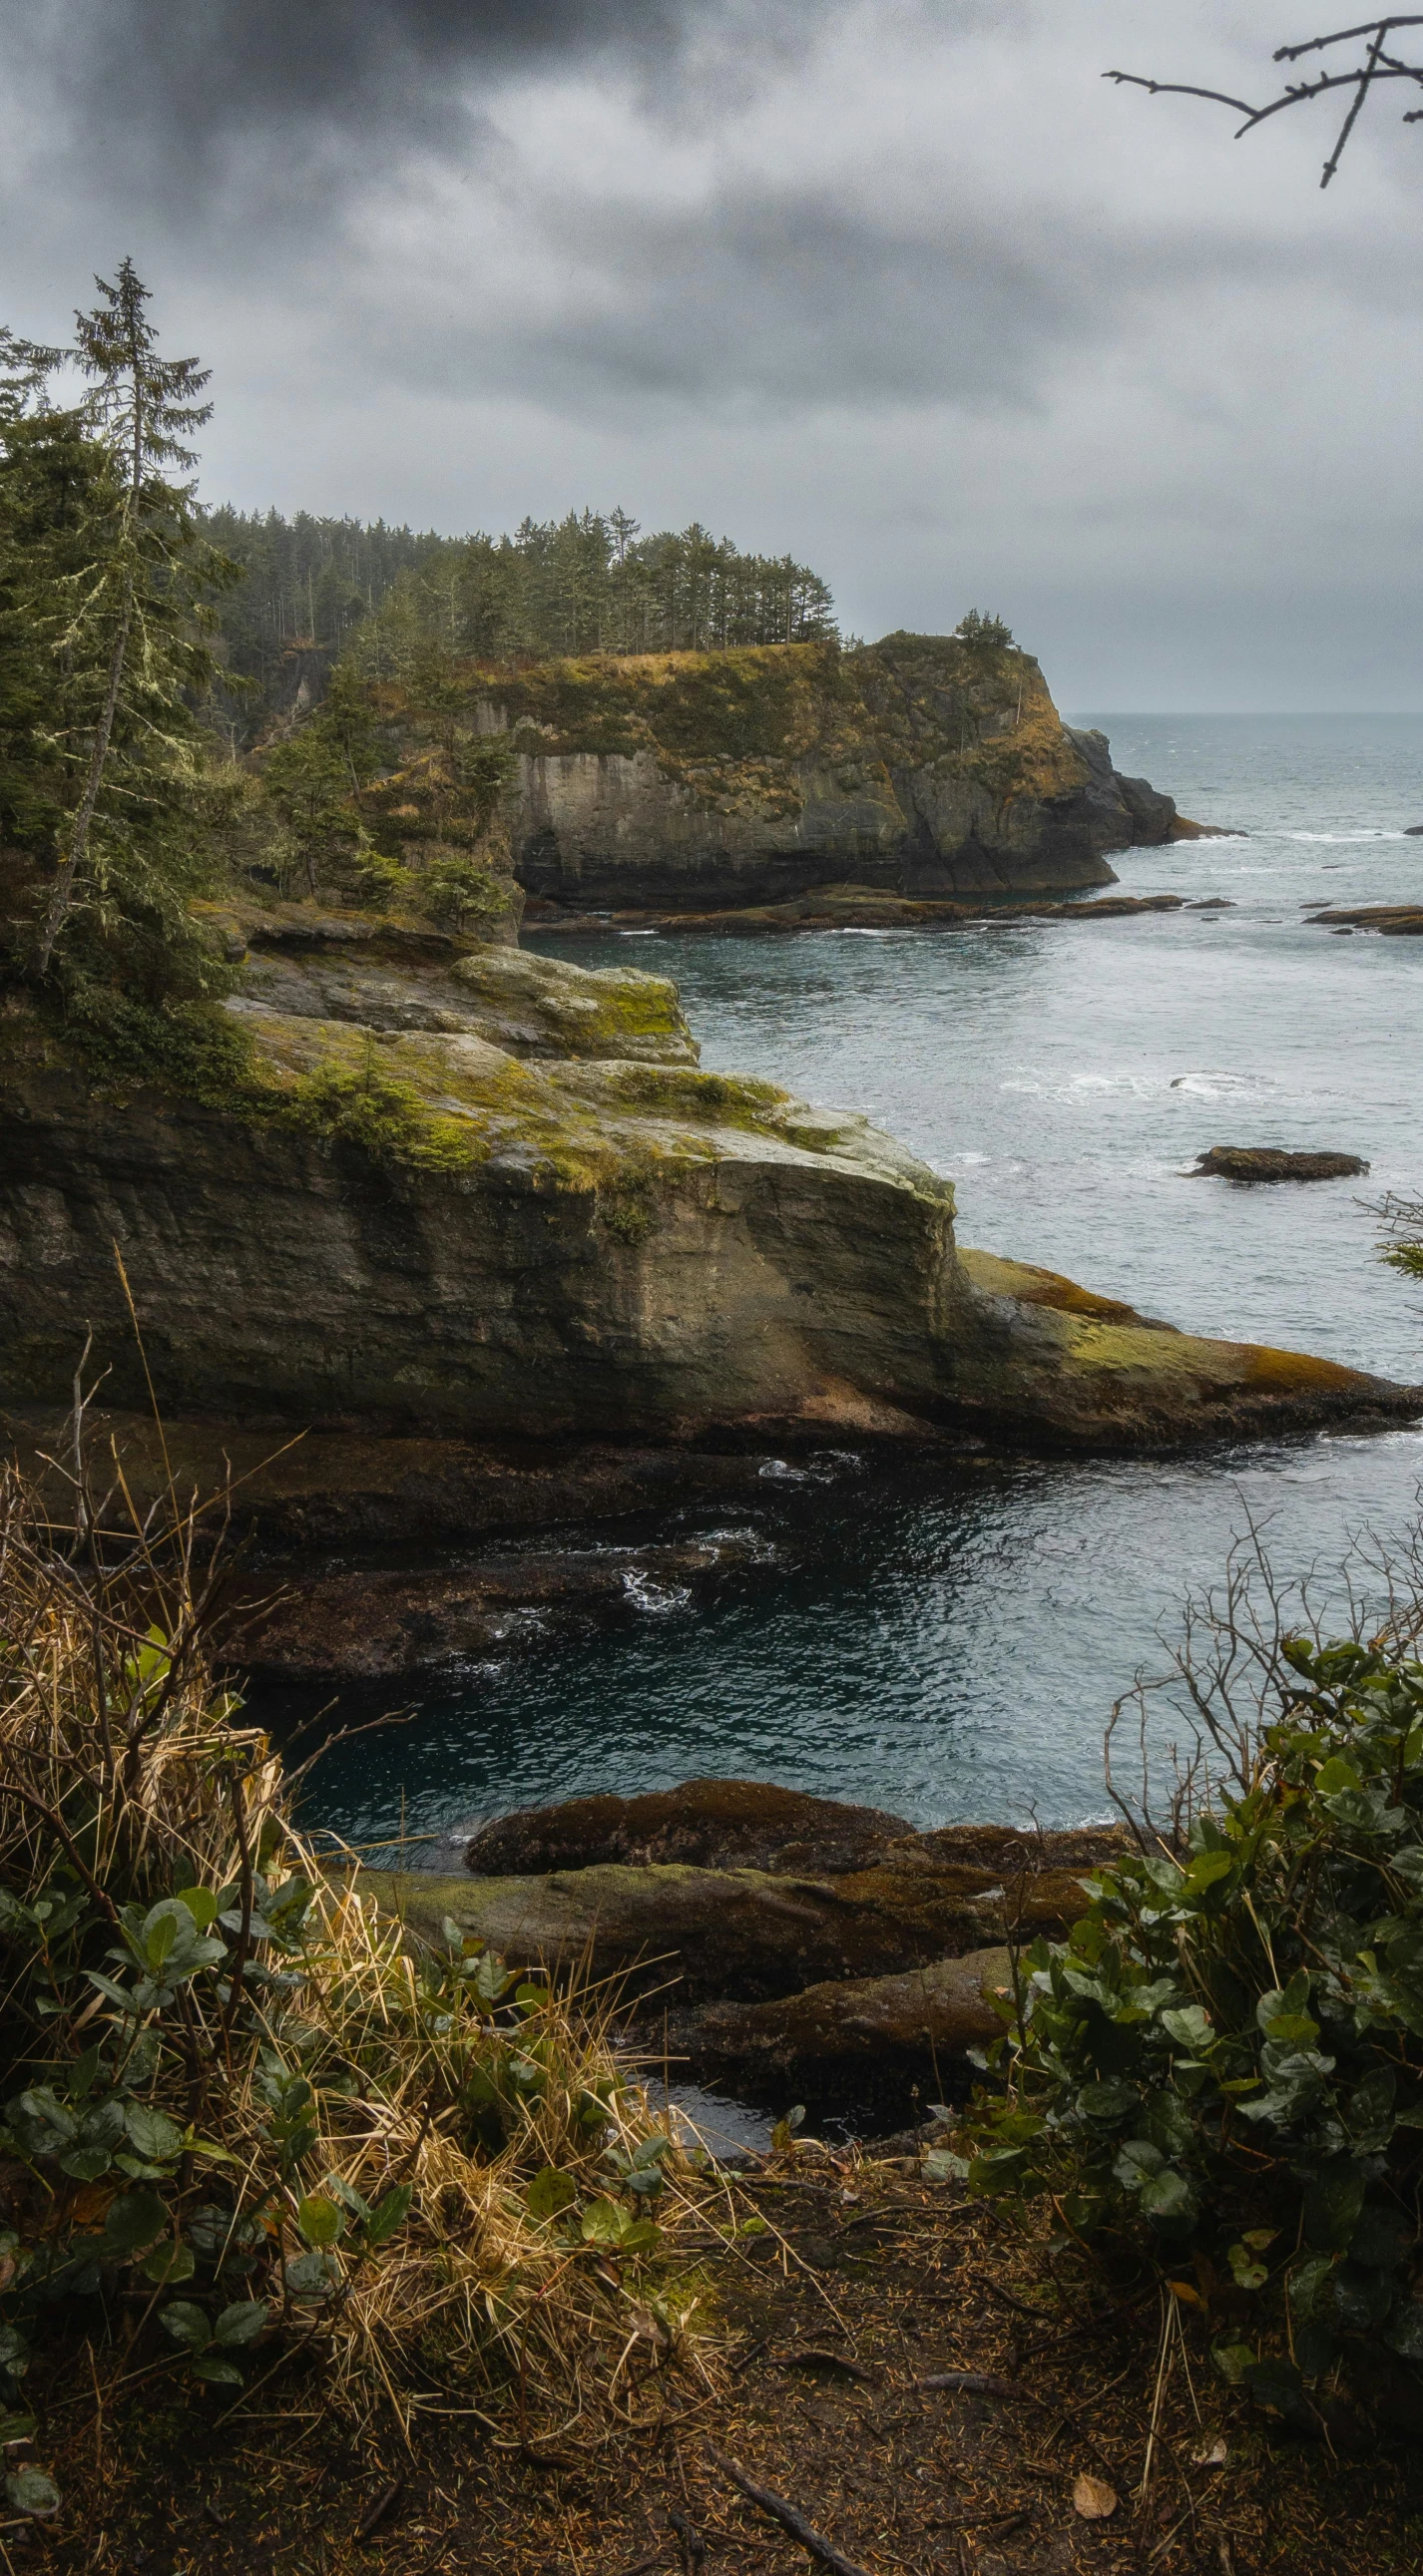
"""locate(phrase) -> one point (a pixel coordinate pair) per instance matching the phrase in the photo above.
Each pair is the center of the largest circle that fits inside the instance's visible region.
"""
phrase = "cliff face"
(494, 1197)
(922, 764)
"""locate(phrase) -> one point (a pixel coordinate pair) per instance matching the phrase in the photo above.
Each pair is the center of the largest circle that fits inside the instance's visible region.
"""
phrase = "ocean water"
(949, 1645)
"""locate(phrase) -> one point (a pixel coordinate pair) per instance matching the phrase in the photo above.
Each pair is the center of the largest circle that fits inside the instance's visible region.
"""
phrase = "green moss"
(387, 1118)
(196, 1049)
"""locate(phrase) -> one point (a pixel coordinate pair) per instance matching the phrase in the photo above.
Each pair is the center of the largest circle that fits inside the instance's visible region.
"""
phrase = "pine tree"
(130, 644)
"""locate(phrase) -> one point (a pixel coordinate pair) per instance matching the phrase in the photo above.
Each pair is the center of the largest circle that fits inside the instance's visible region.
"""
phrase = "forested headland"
(591, 582)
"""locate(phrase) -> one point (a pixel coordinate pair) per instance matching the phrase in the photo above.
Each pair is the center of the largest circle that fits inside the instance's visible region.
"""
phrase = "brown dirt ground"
(889, 2281)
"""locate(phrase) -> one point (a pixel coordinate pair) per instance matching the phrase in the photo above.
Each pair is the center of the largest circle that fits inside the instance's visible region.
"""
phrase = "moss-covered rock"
(540, 1006)
(713, 1933)
(414, 1230)
(922, 764)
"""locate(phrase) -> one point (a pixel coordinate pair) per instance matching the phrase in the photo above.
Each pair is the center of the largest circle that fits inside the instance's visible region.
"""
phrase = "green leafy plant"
(235, 2107)
(1225, 2058)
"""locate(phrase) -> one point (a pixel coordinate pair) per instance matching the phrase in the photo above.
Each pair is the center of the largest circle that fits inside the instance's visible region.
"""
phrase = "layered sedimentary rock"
(419, 1230)
(772, 1932)
(921, 764)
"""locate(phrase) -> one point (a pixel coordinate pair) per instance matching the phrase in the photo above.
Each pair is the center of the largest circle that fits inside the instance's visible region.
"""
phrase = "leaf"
(1233, 2360)
(390, 2212)
(1192, 2027)
(1168, 2196)
(1404, 2330)
(1332, 2203)
(942, 2165)
(1278, 2385)
(201, 1904)
(1336, 1776)
(1307, 2280)
(549, 2192)
(651, 2150)
(31, 2491)
(85, 2164)
(132, 2223)
(603, 2223)
(320, 2220)
(186, 2324)
(311, 2276)
(241, 2323)
(224, 2373)
(1247, 2271)
(167, 2265)
(1212, 2455)
(1094, 2499)
(1206, 1871)
(156, 2136)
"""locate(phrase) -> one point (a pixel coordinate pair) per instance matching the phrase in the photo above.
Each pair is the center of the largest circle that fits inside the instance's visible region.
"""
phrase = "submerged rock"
(1251, 1163)
(378, 1624)
(1392, 920)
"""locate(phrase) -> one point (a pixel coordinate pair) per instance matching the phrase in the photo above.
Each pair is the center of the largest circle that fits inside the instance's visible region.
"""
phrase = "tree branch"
(1378, 65)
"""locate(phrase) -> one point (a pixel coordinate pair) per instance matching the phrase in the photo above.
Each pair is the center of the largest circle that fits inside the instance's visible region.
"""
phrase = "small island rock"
(1252, 1163)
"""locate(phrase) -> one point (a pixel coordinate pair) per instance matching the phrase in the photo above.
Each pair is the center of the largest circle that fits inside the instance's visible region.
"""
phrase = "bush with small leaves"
(1225, 2058)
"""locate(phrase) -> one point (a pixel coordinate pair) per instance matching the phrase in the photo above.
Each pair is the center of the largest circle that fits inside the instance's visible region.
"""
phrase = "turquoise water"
(950, 1646)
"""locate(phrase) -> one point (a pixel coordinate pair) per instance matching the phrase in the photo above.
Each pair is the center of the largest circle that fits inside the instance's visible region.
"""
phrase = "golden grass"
(316, 2130)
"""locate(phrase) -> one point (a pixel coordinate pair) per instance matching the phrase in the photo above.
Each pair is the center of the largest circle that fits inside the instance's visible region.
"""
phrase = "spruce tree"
(125, 629)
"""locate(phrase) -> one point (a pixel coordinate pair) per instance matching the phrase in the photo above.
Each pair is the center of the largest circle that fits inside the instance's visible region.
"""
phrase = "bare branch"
(1379, 65)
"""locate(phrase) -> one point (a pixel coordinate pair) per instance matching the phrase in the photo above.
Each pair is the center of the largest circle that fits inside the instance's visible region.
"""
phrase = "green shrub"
(1225, 2058)
(240, 2115)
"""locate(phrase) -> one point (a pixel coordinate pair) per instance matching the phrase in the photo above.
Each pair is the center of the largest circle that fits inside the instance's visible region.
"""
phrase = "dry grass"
(238, 2105)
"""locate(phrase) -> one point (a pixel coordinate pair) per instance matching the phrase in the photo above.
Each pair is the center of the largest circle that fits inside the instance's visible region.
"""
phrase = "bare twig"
(1379, 65)
(788, 2515)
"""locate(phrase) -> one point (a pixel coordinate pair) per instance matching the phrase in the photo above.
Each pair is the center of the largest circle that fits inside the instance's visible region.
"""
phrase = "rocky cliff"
(922, 764)
(466, 1193)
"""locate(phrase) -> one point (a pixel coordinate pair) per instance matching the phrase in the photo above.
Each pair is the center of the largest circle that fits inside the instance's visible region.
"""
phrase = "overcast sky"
(900, 286)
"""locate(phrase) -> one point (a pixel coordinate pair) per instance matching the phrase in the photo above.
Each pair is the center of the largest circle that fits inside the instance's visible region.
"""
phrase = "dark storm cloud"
(157, 89)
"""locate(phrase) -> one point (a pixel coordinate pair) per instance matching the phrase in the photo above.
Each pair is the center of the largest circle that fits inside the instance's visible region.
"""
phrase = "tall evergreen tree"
(125, 626)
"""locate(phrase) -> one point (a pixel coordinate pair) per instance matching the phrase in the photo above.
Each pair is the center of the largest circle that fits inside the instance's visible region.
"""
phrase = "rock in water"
(1271, 1163)
(710, 1824)
(922, 764)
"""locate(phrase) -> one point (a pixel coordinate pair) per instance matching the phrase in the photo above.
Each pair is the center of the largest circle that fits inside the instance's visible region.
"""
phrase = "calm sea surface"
(950, 1647)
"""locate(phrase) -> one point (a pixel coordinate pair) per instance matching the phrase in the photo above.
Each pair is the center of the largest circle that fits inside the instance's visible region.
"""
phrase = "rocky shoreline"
(771, 1937)
(920, 766)
(849, 907)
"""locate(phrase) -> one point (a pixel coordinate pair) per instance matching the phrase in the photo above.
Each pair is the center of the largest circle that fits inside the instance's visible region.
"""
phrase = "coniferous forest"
(588, 583)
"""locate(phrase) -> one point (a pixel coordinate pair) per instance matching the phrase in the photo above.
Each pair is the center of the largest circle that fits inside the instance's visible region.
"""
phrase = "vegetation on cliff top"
(590, 582)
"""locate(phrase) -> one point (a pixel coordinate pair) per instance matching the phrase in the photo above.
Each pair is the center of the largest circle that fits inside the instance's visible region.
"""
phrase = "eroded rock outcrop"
(777, 1934)
(922, 764)
(417, 1229)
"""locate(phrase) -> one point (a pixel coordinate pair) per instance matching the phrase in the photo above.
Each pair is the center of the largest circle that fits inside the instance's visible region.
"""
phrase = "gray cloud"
(898, 284)
(164, 93)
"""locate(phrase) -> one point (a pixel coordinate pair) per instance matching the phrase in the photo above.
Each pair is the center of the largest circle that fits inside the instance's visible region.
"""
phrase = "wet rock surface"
(1255, 1163)
(779, 1931)
(1392, 920)
(851, 907)
(378, 1624)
